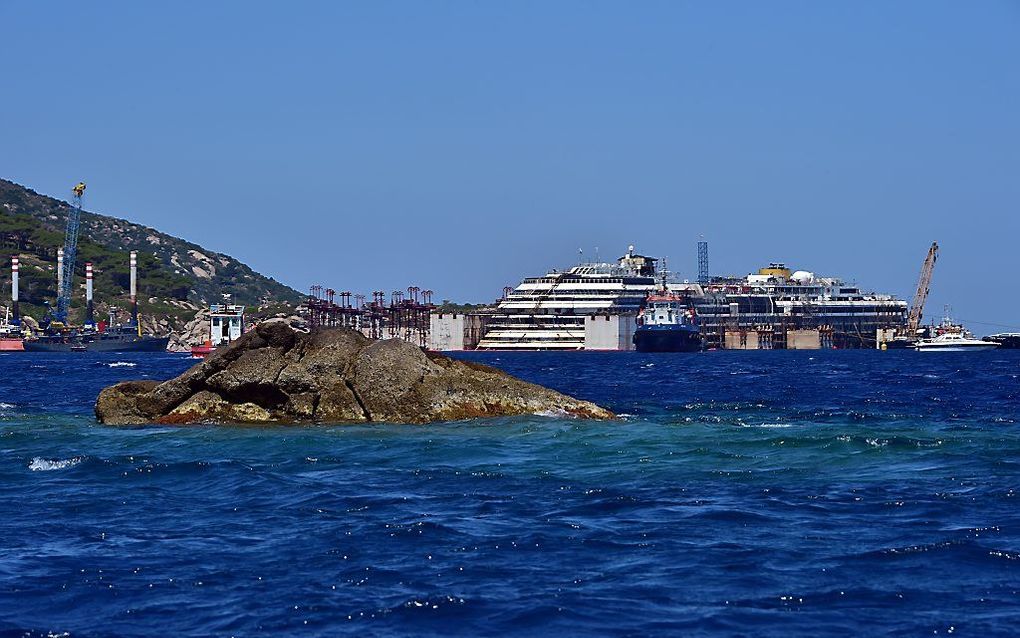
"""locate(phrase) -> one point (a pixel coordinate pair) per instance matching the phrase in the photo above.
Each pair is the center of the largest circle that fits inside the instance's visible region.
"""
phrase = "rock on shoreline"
(277, 374)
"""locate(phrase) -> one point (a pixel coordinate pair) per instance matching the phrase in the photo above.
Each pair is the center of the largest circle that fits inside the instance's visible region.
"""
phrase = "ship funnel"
(134, 287)
(89, 317)
(15, 265)
(60, 270)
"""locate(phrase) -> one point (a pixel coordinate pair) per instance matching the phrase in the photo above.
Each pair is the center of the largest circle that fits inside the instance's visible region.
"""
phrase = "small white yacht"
(954, 342)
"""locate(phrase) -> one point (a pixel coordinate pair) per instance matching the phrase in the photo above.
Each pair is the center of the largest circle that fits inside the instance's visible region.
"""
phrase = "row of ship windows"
(567, 294)
(806, 290)
(810, 311)
(638, 298)
(643, 281)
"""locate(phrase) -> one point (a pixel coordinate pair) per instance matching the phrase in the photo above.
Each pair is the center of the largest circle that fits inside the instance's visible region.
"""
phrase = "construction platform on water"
(406, 317)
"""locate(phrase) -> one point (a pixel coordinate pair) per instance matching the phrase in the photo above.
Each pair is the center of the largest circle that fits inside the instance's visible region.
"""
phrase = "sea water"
(740, 493)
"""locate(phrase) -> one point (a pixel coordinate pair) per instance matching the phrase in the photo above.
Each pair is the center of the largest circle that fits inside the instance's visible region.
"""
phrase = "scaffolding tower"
(703, 262)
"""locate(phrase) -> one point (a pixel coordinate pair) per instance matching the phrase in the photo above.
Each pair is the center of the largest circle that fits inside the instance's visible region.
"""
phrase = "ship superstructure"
(774, 304)
(595, 306)
(549, 312)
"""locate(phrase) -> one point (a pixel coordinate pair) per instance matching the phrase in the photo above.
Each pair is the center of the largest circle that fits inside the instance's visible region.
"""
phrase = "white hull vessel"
(954, 342)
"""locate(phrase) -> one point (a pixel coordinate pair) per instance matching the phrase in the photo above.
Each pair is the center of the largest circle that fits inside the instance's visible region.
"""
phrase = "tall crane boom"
(70, 253)
(923, 283)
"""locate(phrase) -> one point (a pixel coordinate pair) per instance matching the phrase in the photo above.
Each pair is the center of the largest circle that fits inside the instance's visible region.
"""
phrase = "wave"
(39, 464)
(122, 364)
(556, 413)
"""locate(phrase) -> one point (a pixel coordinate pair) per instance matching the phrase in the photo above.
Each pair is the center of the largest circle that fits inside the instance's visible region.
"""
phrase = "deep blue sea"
(742, 493)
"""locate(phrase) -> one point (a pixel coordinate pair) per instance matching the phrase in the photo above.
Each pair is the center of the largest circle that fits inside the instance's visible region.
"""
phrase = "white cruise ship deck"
(549, 312)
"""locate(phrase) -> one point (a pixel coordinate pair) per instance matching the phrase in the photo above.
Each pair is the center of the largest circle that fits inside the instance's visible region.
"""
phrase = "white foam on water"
(6, 406)
(555, 414)
(45, 465)
(122, 364)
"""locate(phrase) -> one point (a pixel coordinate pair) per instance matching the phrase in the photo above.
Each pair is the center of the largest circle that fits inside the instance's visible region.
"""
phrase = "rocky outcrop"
(193, 333)
(278, 374)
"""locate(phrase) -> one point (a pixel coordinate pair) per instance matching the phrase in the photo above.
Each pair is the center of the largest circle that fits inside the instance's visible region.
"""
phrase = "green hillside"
(175, 277)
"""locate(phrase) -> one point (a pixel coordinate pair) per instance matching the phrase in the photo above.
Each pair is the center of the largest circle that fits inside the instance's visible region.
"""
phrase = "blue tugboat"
(667, 323)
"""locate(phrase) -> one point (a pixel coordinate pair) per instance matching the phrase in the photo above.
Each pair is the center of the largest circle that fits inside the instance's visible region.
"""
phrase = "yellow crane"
(923, 283)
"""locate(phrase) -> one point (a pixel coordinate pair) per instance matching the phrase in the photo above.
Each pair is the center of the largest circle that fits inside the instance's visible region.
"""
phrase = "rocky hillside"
(176, 277)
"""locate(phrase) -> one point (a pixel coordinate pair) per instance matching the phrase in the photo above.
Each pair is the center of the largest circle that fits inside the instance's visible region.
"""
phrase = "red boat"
(202, 351)
(9, 344)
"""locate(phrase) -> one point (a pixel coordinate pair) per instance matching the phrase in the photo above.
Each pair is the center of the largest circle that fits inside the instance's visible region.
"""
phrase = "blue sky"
(460, 146)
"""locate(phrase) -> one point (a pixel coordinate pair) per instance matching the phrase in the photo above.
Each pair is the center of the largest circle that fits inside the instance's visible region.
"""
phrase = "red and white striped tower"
(15, 266)
(89, 317)
(134, 287)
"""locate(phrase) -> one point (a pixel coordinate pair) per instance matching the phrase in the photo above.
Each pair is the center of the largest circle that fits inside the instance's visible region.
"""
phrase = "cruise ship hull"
(667, 338)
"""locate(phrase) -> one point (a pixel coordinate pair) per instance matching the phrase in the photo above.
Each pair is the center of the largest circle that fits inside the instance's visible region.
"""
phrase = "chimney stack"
(60, 270)
(15, 265)
(134, 287)
(89, 317)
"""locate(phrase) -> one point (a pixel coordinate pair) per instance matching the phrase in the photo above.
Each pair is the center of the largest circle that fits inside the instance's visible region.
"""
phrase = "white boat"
(954, 342)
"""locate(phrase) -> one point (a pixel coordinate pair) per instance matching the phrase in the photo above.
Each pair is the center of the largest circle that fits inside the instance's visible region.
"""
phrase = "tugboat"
(226, 323)
(667, 323)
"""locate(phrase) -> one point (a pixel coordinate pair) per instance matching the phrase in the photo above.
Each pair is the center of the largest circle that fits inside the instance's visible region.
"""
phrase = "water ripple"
(783, 494)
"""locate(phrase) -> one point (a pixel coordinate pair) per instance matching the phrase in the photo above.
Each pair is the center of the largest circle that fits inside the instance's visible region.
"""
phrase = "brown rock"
(278, 374)
(209, 407)
(119, 404)
(388, 376)
(252, 378)
(338, 404)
